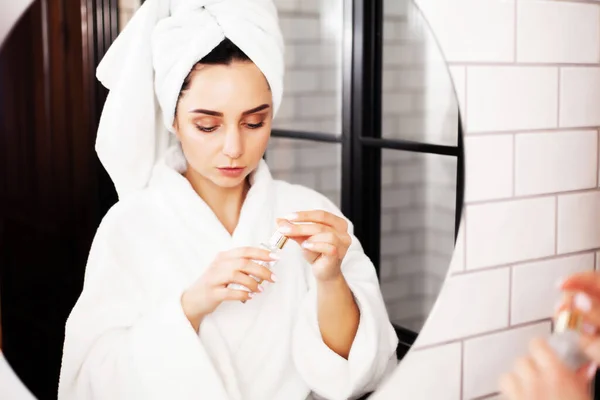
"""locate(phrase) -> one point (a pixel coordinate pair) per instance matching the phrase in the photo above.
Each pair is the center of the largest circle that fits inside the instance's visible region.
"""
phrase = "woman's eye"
(255, 126)
(206, 129)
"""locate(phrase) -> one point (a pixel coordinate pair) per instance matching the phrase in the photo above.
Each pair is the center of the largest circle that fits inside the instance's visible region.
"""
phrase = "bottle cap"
(568, 320)
(278, 240)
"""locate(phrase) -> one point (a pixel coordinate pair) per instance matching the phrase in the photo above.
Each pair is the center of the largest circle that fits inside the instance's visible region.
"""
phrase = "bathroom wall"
(419, 191)
(528, 74)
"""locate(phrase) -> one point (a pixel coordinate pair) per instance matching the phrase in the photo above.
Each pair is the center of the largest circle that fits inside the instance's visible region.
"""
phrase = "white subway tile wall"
(490, 173)
(548, 30)
(532, 210)
(527, 229)
(440, 366)
(487, 357)
(578, 226)
(579, 96)
(534, 285)
(474, 303)
(456, 20)
(555, 162)
(511, 98)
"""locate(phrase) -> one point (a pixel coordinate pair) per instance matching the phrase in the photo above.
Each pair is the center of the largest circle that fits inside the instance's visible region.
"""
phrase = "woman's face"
(224, 121)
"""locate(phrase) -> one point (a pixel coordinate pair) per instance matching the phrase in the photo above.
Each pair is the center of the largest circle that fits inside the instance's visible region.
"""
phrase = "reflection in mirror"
(408, 234)
(316, 165)
(419, 101)
(418, 190)
(417, 229)
(313, 33)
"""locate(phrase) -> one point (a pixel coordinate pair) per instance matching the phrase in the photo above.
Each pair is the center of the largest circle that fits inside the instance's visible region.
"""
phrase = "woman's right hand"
(583, 293)
(233, 266)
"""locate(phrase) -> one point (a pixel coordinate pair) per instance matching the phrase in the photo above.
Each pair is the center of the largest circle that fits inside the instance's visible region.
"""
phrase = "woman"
(541, 375)
(157, 318)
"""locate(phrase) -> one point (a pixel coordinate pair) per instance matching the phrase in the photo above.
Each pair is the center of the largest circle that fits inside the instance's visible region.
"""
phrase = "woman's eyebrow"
(256, 109)
(220, 114)
(208, 112)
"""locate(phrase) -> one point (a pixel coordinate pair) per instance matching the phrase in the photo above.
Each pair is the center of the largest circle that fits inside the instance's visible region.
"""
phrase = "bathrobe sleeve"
(372, 355)
(116, 347)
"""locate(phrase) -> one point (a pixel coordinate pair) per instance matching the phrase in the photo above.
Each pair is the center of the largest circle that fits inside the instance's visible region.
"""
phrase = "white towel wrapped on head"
(145, 67)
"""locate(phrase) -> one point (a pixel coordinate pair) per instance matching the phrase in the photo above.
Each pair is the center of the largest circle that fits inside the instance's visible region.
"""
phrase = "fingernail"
(308, 245)
(260, 288)
(274, 256)
(285, 229)
(582, 302)
(273, 278)
(291, 217)
(588, 328)
(592, 370)
(251, 295)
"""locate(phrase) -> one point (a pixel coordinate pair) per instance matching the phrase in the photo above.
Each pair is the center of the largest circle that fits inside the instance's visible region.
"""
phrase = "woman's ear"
(175, 128)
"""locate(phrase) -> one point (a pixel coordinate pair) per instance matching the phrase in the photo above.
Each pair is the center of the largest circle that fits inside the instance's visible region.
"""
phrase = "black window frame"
(361, 139)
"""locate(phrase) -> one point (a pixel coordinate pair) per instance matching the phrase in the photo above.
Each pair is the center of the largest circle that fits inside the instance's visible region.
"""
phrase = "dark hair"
(224, 54)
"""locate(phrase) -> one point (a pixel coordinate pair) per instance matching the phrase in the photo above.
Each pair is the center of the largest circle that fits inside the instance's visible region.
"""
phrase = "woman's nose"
(233, 146)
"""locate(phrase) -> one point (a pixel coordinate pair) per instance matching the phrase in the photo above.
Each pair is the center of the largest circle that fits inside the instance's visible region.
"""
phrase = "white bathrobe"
(128, 338)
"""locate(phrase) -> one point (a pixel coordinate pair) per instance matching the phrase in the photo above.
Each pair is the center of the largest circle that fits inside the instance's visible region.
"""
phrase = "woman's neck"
(226, 203)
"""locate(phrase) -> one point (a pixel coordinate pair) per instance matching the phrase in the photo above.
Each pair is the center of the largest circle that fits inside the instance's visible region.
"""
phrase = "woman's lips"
(231, 172)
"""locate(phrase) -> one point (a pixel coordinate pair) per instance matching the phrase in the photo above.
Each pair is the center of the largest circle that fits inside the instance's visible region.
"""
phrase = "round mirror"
(370, 119)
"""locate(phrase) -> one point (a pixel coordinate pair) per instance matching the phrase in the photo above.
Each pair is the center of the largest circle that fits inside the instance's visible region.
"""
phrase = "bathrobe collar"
(257, 219)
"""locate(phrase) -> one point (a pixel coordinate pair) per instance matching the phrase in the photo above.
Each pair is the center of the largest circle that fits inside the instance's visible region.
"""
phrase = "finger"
(262, 273)
(241, 278)
(544, 357)
(590, 345)
(251, 253)
(327, 243)
(588, 282)
(565, 303)
(511, 387)
(302, 230)
(589, 309)
(526, 369)
(587, 372)
(226, 294)
(322, 248)
(320, 216)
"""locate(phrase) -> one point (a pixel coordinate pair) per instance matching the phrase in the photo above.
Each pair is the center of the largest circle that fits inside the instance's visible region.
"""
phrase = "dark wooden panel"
(51, 198)
(36, 302)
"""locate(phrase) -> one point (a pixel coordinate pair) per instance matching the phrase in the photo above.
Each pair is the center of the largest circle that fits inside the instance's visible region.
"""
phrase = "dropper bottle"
(565, 339)
(275, 244)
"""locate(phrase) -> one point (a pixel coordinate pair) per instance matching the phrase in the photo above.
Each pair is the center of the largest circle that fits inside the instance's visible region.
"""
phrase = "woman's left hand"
(541, 376)
(324, 237)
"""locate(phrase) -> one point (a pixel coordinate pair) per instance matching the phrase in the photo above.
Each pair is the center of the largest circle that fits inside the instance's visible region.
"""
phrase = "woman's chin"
(228, 182)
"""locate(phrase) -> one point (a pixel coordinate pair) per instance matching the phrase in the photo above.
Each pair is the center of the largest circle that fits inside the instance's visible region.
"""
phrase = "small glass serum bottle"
(565, 339)
(274, 245)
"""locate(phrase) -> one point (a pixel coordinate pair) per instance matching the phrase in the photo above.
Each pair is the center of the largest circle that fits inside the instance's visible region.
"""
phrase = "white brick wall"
(529, 85)
(495, 353)
(547, 32)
